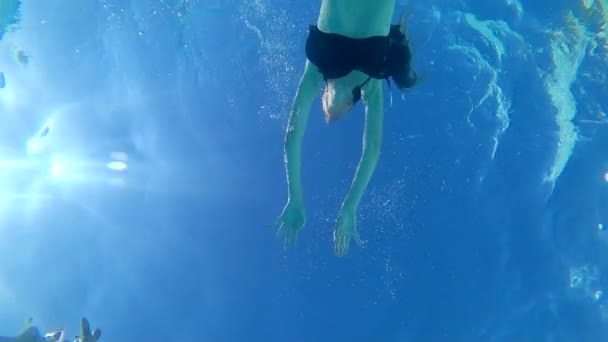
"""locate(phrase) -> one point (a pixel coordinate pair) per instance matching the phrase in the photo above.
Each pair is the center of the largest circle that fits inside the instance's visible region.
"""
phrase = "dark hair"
(400, 59)
(406, 79)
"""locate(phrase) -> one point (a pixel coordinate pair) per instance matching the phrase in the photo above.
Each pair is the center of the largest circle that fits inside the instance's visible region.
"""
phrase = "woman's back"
(356, 18)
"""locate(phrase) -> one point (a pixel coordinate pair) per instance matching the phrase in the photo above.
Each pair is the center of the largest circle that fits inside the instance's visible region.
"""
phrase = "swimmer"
(352, 50)
(32, 334)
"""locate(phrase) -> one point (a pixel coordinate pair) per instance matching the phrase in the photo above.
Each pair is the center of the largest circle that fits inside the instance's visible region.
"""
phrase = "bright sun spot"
(34, 146)
(8, 98)
(57, 169)
(117, 165)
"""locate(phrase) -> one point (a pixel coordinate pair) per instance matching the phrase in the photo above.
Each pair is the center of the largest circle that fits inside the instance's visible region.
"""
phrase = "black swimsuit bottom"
(378, 56)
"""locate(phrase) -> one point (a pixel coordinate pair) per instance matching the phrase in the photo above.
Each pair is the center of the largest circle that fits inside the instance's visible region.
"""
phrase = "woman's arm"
(372, 141)
(298, 118)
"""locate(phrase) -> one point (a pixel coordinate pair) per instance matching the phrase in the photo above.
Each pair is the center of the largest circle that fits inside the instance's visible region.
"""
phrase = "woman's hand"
(290, 222)
(85, 332)
(346, 228)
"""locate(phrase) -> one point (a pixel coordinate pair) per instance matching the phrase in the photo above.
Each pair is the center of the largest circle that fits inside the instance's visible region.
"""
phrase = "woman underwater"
(353, 48)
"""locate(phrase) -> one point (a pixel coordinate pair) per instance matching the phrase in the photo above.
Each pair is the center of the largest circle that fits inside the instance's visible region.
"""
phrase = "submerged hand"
(85, 332)
(290, 222)
(346, 228)
(30, 334)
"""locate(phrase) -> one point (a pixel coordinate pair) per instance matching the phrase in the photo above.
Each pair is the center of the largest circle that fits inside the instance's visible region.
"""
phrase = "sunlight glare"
(37, 143)
(57, 169)
(117, 165)
(34, 146)
(8, 98)
(119, 162)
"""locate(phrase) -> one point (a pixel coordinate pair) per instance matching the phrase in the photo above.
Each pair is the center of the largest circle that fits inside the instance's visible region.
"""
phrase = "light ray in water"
(568, 49)
(495, 35)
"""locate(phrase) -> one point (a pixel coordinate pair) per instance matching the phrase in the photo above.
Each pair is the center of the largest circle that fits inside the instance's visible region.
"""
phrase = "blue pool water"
(141, 169)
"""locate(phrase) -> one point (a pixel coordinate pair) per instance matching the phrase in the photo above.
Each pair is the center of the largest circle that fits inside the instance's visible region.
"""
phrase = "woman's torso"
(356, 18)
